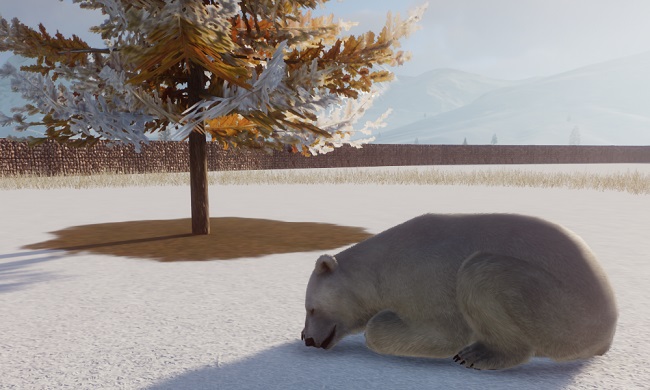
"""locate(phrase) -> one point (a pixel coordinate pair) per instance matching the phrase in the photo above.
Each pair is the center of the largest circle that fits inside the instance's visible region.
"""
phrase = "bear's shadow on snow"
(350, 365)
(230, 238)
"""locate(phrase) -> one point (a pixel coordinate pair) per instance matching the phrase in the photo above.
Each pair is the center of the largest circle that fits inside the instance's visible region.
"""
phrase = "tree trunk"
(198, 160)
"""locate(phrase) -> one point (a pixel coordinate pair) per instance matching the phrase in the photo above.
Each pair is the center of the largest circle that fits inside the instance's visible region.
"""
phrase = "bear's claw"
(462, 362)
(480, 357)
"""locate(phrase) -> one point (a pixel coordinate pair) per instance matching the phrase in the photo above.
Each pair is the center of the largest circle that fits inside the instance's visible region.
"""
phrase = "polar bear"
(491, 290)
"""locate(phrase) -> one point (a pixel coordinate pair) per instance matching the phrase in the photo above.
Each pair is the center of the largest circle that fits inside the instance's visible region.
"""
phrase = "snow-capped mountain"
(414, 98)
(603, 104)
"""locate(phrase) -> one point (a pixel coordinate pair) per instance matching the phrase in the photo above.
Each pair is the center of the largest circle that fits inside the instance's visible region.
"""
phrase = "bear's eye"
(312, 311)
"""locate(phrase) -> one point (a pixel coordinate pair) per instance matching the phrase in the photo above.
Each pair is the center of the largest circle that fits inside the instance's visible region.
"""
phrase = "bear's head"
(332, 306)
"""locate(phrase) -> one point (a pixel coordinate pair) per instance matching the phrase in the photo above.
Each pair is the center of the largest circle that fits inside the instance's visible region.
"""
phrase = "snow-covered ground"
(92, 321)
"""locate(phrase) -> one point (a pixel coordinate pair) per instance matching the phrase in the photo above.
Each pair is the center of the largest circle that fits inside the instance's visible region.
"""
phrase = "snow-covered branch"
(115, 116)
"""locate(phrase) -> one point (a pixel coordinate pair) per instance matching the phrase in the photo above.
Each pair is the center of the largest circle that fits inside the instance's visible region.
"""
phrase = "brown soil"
(230, 238)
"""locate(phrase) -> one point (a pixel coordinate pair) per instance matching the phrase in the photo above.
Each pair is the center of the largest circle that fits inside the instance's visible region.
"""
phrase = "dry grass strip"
(632, 182)
(230, 238)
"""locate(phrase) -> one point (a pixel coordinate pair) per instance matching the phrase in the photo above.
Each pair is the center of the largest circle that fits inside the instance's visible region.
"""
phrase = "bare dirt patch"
(230, 238)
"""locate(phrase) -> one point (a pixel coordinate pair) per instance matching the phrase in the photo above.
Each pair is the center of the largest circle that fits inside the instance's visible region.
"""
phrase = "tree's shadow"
(230, 238)
(350, 365)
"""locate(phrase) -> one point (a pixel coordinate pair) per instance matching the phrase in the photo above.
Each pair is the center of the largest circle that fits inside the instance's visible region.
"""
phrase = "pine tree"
(465, 141)
(494, 139)
(250, 73)
(574, 137)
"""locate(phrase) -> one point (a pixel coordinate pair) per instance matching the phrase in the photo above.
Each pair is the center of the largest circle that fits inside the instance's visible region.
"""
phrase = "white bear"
(491, 290)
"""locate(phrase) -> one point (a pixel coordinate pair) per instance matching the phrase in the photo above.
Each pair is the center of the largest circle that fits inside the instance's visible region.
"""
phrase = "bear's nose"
(310, 342)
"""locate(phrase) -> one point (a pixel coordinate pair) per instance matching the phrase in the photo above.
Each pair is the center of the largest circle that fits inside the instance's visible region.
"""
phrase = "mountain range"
(601, 104)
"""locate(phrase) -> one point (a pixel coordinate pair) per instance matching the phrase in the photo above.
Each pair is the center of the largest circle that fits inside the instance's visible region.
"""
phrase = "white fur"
(491, 289)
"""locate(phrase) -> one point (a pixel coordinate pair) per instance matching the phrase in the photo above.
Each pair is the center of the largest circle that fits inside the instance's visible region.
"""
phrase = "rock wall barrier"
(52, 158)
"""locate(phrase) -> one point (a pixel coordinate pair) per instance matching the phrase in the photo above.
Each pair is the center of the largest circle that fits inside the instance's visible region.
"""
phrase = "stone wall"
(52, 158)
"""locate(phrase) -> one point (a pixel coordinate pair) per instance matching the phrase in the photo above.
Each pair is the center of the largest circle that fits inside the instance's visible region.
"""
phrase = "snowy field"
(88, 321)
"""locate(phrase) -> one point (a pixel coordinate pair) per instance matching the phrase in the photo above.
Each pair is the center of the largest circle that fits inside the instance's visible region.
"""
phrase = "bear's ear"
(326, 263)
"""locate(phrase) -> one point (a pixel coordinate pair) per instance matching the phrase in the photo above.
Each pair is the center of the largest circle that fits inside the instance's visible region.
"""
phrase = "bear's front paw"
(480, 357)
(473, 356)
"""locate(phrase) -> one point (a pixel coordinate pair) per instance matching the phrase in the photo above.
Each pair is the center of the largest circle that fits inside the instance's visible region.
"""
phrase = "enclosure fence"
(52, 158)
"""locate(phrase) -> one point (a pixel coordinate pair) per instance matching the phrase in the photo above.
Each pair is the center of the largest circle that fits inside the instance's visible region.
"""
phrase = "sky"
(505, 39)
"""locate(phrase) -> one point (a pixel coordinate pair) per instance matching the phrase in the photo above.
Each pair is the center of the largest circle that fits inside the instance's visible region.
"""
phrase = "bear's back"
(439, 243)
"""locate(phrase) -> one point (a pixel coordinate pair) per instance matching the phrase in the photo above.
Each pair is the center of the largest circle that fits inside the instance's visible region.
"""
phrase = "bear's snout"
(310, 342)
